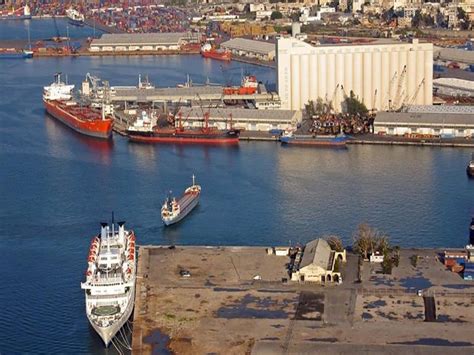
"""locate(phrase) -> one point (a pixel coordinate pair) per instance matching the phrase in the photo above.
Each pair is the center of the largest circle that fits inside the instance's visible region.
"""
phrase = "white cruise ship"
(110, 280)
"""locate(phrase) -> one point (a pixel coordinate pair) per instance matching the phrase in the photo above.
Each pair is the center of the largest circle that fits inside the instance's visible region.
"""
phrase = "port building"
(246, 119)
(142, 41)
(383, 75)
(250, 48)
(427, 121)
(318, 263)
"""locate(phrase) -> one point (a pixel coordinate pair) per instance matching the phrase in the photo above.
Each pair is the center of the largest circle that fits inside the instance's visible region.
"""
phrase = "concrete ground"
(221, 309)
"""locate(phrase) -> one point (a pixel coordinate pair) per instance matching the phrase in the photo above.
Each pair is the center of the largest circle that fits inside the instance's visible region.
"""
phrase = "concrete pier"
(234, 301)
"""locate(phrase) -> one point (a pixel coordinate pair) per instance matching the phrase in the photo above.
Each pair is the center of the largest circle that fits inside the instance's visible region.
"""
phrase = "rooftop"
(316, 252)
(141, 38)
(249, 45)
(240, 113)
(429, 115)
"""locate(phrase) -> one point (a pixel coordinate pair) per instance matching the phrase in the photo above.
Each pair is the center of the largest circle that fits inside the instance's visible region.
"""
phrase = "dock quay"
(239, 300)
(194, 93)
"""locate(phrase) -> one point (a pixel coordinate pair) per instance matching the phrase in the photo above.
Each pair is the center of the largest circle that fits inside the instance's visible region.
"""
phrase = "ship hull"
(470, 172)
(186, 210)
(336, 142)
(108, 333)
(13, 17)
(216, 55)
(15, 55)
(96, 128)
(229, 137)
(74, 22)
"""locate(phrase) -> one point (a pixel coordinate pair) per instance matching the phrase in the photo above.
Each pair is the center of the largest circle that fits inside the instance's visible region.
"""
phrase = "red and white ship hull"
(82, 120)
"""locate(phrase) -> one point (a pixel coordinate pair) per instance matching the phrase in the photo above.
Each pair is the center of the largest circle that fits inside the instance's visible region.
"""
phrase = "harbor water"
(56, 186)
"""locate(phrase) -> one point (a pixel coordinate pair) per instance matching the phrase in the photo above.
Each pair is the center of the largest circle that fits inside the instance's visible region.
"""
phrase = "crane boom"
(398, 96)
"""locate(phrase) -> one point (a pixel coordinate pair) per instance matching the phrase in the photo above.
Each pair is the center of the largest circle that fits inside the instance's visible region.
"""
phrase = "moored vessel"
(75, 17)
(87, 120)
(145, 130)
(13, 53)
(470, 167)
(110, 280)
(328, 141)
(207, 51)
(174, 210)
(248, 86)
(22, 13)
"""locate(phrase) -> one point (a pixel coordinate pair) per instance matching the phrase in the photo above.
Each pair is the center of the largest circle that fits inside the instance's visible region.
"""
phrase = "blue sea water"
(56, 186)
(41, 29)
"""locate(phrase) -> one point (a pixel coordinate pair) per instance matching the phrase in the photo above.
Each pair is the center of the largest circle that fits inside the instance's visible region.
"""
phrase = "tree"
(369, 240)
(310, 109)
(416, 20)
(387, 265)
(363, 239)
(276, 15)
(335, 243)
(354, 106)
(463, 19)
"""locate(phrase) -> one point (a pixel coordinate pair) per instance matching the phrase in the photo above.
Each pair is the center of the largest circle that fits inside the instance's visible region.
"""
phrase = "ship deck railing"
(104, 297)
(107, 280)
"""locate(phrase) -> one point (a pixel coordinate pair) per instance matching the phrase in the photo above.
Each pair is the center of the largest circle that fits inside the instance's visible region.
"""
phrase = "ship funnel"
(103, 230)
(121, 230)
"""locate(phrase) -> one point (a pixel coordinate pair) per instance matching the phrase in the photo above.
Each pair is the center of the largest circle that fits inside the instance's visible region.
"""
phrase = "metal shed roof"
(249, 45)
(140, 38)
(424, 118)
(317, 252)
(240, 113)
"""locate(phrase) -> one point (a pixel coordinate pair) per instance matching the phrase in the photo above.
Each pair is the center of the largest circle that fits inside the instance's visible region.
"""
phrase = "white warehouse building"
(383, 76)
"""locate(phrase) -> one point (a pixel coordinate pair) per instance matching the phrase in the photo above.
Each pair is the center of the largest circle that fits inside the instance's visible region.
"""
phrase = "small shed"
(376, 257)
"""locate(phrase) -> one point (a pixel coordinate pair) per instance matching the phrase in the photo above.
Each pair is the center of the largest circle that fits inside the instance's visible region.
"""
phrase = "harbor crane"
(387, 95)
(398, 96)
(415, 95)
(412, 100)
(374, 102)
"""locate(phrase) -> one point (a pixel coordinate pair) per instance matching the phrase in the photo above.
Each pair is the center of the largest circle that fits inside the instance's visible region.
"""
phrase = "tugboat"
(58, 102)
(174, 211)
(328, 141)
(207, 51)
(470, 167)
(75, 17)
(110, 280)
(248, 87)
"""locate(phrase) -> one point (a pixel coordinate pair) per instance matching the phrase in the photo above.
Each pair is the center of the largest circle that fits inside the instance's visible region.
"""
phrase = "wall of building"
(306, 72)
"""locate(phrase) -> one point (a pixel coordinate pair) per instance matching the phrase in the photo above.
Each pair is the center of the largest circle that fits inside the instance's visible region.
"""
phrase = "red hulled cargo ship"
(207, 51)
(144, 130)
(58, 103)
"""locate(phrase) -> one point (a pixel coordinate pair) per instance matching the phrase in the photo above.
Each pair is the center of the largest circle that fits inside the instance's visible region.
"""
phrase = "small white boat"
(470, 167)
(174, 210)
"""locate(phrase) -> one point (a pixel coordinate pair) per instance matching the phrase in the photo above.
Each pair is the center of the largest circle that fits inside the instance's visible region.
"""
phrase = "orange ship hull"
(81, 119)
(213, 54)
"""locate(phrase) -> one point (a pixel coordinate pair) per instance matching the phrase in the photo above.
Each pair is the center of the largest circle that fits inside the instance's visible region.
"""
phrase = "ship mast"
(206, 121)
